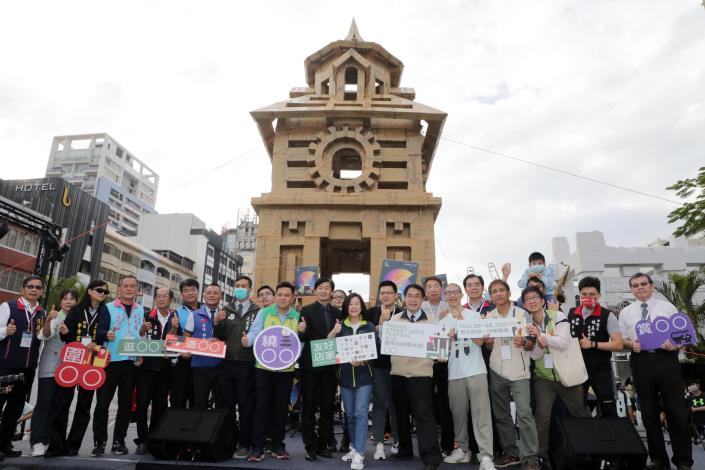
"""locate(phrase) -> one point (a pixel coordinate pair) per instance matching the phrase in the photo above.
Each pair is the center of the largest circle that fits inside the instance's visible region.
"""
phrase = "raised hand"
(111, 335)
(52, 313)
(636, 346)
(506, 270)
(518, 341)
(245, 340)
(63, 329)
(336, 329)
(220, 316)
(146, 326)
(302, 325)
(11, 328)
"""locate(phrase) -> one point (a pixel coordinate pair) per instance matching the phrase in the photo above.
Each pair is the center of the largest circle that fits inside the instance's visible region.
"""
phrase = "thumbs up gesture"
(111, 335)
(220, 316)
(11, 328)
(146, 326)
(336, 329)
(245, 340)
(52, 313)
(302, 325)
(63, 329)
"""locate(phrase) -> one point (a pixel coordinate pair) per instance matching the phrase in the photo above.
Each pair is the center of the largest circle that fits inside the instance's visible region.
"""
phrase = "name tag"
(506, 352)
(26, 340)
(548, 361)
(86, 340)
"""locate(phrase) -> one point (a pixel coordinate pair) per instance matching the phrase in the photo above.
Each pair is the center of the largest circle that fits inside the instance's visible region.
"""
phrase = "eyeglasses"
(532, 298)
(453, 292)
(640, 284)
(414, 296)
(34, 287)
(338, 297)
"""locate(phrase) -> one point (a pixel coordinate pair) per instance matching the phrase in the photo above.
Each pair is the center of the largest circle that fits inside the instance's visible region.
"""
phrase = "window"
(209, 270)
(350, 91)
(21, 240)
(210, 252)
(110, 249)
(346, 164)
(11, 280)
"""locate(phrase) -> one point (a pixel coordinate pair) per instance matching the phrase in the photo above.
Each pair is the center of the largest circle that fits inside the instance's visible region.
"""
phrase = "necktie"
(327, 317)
(212, 314)
(239, 309)
(412, 318)
(644, 311)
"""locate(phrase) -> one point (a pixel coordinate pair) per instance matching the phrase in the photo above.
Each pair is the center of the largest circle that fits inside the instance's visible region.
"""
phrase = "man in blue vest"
(21, 320)
(181, 388)
(204, 368)
(126, 321)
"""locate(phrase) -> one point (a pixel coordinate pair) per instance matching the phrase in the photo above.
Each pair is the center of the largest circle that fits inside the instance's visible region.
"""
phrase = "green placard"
(142, 347)
(324, 352)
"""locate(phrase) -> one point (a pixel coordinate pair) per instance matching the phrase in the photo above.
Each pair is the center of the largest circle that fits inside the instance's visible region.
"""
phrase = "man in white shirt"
(657, 375)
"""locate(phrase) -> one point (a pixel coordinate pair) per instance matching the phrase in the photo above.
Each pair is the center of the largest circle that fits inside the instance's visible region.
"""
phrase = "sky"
(613, 91)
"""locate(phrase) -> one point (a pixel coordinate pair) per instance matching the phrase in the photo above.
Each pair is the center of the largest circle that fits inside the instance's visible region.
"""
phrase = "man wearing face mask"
(599, 333)
(237, 374)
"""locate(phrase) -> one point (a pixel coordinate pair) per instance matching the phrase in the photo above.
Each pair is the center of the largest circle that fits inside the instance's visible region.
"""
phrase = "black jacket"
(78, 327)
(157, 333)
(230, 330)
(316, 328)
(372, 315)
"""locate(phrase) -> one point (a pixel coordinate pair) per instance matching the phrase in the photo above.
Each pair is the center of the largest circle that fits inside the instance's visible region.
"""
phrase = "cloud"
(613, 91)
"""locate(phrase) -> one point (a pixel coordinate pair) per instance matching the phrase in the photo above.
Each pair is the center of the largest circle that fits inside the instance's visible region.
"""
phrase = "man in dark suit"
(318, 384)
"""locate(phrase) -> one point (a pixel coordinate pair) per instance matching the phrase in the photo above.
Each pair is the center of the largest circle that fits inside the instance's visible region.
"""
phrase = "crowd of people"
(460, 407)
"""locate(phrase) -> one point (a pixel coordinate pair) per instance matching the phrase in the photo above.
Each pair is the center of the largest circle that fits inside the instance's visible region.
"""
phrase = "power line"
(223, 165)
(558, 170)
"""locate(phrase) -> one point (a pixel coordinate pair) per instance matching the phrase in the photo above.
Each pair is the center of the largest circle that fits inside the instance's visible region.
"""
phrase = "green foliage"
(59, 284)
(680, 291)
(690, 214)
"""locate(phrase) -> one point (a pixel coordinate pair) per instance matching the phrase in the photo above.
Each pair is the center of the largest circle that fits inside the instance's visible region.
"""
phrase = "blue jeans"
(357, 403)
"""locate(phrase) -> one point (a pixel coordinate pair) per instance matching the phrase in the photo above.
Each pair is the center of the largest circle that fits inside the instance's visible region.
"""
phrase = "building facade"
(187, 236)
(591, 256)
(351, 154)
(19, 247)
(124, 255)
(242, 240)
(101, 166)
(82, 217)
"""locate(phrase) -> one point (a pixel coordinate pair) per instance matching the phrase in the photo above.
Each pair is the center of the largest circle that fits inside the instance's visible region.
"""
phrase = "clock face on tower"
(345, 160)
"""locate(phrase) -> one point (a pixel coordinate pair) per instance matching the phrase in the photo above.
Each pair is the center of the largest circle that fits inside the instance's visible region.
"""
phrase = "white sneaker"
(395, 448)
(458, 456)
(486, 463)
(349, 456)
(38, 449)
(358, 462)
(379, 452)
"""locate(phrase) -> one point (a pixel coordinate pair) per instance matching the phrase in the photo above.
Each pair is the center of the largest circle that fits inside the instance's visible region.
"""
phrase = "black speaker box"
(205, 436)
(584, 443)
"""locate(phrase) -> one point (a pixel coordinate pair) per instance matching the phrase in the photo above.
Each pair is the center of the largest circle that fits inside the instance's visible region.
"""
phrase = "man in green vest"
(272, 388)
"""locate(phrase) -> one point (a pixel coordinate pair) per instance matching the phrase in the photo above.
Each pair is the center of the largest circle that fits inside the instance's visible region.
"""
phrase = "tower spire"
(353, 34)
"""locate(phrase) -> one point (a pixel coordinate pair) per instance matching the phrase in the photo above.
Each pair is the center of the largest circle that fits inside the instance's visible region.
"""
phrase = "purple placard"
(277, 347)
(677, 328)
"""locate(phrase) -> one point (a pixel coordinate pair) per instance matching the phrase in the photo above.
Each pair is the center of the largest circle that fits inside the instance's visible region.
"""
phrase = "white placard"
(494, 327)
(356, 348)
(423, 340)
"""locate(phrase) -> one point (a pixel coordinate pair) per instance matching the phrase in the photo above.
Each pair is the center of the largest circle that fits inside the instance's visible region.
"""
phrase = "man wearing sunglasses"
(20, 320)
(657, 377)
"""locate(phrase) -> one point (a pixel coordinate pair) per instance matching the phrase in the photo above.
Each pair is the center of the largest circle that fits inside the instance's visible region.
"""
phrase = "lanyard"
(29, 316)
(544, 324)
(90, 320)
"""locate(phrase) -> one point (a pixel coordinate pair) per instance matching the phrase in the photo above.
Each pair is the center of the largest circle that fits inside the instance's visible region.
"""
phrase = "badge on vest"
(26, 340)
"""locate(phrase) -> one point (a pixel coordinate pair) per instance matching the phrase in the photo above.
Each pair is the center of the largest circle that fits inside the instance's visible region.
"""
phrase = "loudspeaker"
(584, 443)
(205, 436)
